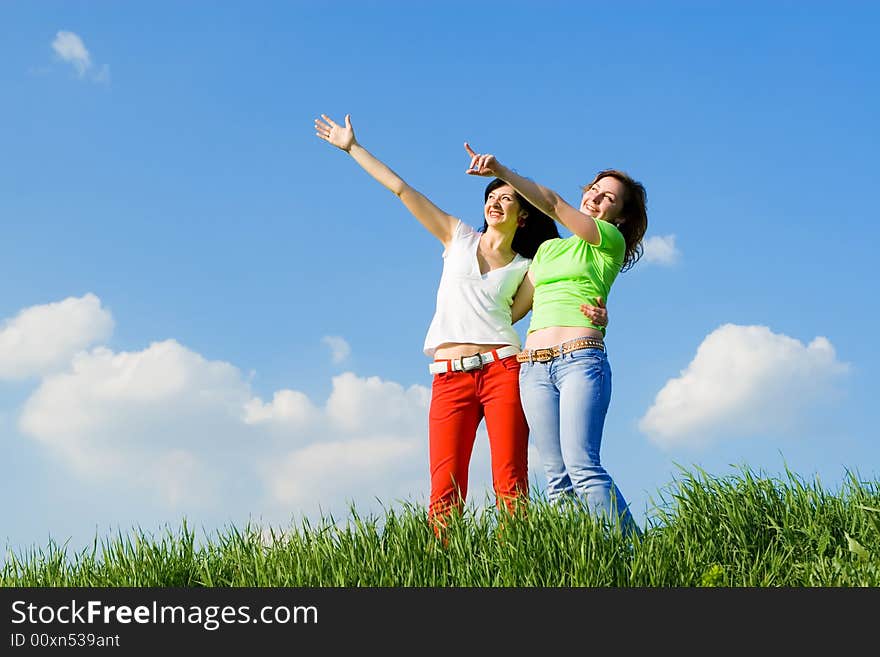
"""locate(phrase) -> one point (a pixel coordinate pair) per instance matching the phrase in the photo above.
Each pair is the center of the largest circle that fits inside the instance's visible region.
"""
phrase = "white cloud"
(339, 348)
(69, 47)
(44, 338)
(372, 444)
(660, 250)
(356, 404)
(288, 408)
(191, 433)
(743, 380)
(158, 419)
(324, 475)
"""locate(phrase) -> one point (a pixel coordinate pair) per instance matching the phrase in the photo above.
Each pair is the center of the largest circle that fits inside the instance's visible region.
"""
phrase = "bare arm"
(543, 198)
(522, 301)
(440, 224)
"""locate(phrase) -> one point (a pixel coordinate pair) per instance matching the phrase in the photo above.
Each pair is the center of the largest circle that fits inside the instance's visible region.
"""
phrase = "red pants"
(459, 400)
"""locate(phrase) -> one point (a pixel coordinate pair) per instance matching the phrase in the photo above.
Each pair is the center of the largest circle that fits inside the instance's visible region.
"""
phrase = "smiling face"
(604, 199)
(503, 207)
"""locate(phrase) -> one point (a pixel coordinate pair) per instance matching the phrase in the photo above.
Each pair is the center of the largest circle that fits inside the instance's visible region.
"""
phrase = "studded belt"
(549, 353)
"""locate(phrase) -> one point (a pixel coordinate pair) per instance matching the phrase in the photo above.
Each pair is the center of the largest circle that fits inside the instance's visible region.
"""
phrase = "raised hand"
(330, 131)
(481, 165)
(597, 314)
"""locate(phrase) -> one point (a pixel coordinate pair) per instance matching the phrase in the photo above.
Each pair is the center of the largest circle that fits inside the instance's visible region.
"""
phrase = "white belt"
(468, 363)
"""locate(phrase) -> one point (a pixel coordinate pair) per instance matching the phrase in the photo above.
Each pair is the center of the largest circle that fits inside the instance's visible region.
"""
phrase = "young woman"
(565, 380)
(471, 337)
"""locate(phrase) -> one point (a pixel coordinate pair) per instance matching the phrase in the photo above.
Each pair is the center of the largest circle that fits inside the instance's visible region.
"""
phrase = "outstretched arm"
(543, 198)
(439, 223)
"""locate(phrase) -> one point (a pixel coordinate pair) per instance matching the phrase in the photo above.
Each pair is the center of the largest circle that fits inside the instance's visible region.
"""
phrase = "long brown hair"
(537, 229)
(633, 219)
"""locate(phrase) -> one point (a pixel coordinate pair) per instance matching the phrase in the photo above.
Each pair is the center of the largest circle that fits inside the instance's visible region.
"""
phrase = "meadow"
(741, 530)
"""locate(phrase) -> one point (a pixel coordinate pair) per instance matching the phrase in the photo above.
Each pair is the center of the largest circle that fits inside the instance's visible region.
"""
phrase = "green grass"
(742, 530)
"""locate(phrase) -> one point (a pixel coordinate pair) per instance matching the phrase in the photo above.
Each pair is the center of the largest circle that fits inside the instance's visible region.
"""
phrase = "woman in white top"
(471, 337)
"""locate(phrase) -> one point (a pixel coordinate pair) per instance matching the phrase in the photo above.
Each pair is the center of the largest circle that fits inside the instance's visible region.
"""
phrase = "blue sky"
(206, 312)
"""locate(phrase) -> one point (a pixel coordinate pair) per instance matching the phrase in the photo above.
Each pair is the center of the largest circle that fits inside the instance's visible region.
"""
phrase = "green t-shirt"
(568, 272)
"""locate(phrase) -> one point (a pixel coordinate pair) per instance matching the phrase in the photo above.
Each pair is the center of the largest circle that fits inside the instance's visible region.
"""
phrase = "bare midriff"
(450, 351)
(554, 335)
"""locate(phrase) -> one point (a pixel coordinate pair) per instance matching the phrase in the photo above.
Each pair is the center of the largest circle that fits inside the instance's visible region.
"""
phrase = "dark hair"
(538, 226)
(633, 219)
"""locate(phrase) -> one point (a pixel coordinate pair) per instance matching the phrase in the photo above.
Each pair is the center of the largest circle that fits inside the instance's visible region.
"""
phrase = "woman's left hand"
(597, 314)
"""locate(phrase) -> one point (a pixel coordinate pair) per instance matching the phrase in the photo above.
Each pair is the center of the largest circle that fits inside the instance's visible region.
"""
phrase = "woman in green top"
(565, 378)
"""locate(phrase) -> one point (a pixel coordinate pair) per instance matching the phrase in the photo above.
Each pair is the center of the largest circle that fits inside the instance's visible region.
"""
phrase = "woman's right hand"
(482, 164)
(340, 136)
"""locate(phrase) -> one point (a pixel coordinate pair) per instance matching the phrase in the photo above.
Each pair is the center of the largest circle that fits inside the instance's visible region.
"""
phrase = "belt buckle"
(542, 355)
(470, 369)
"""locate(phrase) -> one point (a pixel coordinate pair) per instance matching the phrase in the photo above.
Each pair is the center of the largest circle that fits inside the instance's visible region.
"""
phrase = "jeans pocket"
(588, 354)
(591, 361)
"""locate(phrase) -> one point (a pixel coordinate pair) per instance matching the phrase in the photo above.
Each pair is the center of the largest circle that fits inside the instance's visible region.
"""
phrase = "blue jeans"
(565, 401)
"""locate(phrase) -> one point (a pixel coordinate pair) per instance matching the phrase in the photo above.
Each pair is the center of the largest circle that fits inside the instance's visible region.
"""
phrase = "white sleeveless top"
(474, 307)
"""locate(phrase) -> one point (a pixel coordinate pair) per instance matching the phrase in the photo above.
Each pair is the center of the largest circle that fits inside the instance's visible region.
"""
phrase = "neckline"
(476, 259)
